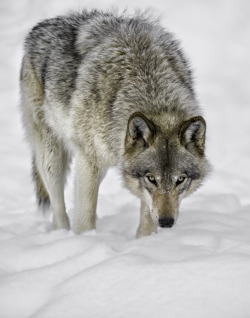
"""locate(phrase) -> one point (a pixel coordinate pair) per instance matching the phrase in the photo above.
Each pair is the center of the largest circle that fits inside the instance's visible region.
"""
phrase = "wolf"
(111, 90)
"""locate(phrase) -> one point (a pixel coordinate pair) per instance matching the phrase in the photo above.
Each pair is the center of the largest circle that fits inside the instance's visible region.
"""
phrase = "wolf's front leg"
(88, 178)
(146, 226)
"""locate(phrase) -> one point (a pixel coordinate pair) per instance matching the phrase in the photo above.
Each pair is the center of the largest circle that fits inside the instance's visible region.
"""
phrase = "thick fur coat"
(111, 90)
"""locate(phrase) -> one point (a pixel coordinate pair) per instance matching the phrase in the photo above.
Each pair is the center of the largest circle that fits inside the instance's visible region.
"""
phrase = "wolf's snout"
(166, 221)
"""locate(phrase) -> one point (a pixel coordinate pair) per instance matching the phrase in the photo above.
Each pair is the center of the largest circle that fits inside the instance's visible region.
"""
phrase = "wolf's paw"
(62, 224)
(145, 231)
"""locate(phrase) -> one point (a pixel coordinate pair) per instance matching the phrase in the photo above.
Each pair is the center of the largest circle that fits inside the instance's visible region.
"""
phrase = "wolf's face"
(162, 167)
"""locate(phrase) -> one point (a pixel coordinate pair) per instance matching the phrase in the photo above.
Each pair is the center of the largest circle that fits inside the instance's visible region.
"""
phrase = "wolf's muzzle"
(166, 221)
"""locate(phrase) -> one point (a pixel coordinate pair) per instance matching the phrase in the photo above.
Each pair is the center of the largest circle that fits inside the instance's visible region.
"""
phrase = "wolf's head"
(164, 163)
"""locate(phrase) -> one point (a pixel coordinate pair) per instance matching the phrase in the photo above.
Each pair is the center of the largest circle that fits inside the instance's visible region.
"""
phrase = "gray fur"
(112, 91)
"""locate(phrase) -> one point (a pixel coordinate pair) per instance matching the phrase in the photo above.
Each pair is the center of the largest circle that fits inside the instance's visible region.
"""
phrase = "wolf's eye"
(151, 179)
(180, 180)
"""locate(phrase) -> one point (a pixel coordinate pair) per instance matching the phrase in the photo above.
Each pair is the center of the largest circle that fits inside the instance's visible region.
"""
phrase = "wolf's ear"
(140, 130)
(192, 134)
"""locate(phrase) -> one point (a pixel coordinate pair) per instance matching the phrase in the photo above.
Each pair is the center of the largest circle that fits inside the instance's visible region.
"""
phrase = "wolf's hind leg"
(146, 226)
(42, 195)
(51, 161)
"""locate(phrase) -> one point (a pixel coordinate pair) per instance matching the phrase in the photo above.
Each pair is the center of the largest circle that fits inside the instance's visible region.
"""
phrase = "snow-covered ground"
(199, 268)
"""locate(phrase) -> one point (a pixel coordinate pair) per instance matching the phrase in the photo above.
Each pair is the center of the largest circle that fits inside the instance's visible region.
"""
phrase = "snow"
(200, 267)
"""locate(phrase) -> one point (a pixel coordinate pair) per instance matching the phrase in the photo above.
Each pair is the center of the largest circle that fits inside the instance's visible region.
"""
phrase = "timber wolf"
(112, 90)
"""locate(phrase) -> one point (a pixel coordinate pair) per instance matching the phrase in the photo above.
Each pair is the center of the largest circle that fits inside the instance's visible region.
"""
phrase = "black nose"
(166, 221)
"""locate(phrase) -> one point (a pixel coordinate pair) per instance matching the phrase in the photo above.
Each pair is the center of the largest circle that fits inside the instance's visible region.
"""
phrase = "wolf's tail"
(42, 195)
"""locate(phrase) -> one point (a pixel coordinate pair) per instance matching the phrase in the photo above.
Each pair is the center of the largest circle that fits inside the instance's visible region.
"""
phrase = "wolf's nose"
(166, 222)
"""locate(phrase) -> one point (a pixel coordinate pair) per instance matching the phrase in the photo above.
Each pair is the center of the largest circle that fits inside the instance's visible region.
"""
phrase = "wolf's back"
(51, 49)
(103, 67)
